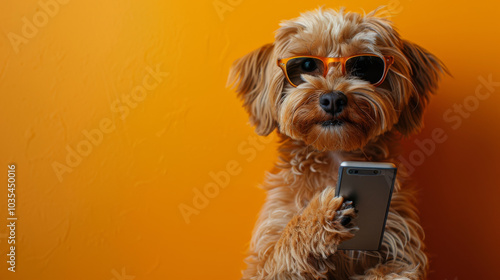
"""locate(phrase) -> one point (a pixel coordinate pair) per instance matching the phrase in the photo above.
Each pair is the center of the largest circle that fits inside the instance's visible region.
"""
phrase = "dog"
(336, 86)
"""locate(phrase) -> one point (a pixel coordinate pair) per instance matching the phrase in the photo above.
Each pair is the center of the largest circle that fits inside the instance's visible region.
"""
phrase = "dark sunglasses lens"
(368, 68)
(298, 66)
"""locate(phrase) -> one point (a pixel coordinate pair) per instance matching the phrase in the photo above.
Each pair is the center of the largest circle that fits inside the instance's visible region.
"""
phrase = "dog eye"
(309, 65)
(368, 68)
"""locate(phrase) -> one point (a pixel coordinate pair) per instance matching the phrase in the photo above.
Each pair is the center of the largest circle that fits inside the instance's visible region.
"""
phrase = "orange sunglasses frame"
(388, 61)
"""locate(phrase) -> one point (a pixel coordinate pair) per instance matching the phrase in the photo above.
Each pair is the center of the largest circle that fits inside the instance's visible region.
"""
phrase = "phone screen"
(370, 190)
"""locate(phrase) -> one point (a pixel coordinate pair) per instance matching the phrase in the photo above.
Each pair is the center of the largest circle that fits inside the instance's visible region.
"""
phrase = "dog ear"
(426, 70)
(251, 76)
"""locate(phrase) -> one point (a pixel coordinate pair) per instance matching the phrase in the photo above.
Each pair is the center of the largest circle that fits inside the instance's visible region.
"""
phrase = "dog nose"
(333, 102)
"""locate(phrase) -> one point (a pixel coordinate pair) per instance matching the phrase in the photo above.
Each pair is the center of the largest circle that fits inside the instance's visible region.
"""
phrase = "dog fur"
(299, 227)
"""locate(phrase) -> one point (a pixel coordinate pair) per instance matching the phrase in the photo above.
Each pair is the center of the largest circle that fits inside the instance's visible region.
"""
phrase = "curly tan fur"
(299, 227)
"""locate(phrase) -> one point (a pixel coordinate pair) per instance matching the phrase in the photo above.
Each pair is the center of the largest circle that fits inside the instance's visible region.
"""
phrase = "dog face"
(336, 110)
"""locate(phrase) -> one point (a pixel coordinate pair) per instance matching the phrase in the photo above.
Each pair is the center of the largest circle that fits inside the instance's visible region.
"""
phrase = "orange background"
(117, 212)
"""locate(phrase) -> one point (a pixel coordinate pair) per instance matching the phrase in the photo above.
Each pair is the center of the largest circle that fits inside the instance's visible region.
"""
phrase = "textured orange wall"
(145, 79)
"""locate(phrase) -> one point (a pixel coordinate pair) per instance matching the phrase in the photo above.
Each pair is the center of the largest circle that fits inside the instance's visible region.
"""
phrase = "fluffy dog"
(328, 108)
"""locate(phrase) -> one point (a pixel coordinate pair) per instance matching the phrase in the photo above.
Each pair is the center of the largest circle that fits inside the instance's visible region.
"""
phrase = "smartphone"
(369, 186)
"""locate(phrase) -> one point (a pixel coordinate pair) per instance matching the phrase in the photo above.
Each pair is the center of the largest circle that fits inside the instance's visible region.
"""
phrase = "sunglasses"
(368, 67)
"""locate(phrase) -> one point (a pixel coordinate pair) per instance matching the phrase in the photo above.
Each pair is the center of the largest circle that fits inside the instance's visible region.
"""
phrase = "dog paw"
(327, 221)
(345, 217)
(336, 210)
(331, 216)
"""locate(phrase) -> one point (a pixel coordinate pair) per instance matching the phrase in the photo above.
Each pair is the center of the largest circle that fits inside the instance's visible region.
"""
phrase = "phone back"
(369, 186)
